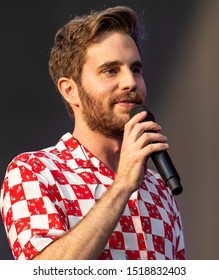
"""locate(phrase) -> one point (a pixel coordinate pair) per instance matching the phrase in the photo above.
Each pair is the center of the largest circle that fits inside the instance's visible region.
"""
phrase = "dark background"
(181, 69)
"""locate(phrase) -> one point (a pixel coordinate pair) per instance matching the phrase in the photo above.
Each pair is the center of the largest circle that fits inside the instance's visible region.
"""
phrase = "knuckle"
(150, 148)
(151, 125)
(126, 125)
(138, 126)
(146, 137)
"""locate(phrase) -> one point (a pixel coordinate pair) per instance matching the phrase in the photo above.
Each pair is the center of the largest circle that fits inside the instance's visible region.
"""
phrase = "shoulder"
(40, 157)
(30, 167)
(32, 158)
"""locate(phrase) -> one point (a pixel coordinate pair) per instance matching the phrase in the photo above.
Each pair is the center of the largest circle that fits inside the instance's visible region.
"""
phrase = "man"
(91, 196)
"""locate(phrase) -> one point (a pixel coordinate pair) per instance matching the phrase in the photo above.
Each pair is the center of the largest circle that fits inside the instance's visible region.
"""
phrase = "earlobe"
(69, 90)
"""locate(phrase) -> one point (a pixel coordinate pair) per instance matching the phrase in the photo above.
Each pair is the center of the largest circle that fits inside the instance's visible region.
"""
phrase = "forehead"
(113, 46)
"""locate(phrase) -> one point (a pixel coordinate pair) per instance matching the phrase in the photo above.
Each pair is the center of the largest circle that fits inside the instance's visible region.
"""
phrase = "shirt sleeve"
(31, 212)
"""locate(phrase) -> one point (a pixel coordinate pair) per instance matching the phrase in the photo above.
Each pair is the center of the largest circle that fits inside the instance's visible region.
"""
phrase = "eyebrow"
(114, 63)
(137, 63)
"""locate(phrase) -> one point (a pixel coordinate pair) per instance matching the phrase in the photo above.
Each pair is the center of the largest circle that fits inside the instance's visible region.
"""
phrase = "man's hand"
(139, 142)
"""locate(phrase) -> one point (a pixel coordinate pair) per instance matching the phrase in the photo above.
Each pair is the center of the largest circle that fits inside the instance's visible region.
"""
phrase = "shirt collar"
(81, 155)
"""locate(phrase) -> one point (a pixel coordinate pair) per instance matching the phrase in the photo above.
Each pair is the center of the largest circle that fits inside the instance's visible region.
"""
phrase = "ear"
(69, 90)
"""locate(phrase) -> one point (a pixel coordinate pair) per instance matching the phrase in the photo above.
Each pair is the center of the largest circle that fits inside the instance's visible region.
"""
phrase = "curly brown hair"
(68, 54)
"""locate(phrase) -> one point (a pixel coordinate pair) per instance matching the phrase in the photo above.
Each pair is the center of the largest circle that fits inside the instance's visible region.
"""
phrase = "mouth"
(127, 103)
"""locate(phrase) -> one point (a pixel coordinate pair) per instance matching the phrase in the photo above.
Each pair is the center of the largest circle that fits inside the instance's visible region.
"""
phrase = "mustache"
(132, 96)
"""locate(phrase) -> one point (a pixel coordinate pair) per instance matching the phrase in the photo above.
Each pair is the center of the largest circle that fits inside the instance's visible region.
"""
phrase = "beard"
(103, 118)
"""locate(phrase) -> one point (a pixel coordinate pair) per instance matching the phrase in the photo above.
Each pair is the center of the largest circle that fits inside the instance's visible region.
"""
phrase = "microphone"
(161, 159)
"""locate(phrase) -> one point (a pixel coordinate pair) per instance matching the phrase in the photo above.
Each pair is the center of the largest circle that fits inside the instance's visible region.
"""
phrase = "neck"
(104, 148)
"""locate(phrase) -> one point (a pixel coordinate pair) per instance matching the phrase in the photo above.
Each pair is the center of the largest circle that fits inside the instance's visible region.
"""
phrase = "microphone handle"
(161, 159)
(167, 171)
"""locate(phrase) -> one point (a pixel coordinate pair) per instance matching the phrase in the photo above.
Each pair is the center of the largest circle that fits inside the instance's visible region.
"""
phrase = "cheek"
(143, 88)
(95, 86)
(104, 87)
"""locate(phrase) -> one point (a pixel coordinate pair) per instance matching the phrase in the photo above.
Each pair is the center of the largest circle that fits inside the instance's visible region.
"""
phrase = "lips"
(128, 101)
(128, 104)
(130, 98)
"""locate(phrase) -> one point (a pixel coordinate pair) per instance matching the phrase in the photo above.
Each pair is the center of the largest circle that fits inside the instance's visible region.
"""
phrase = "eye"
(136, 70)
(111, 71)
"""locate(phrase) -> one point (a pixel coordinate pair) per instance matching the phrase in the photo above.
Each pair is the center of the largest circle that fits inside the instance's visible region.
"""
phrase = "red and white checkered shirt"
(47, 192)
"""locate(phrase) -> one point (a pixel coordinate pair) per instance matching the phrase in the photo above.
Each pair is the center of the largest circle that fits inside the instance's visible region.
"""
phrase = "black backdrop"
(32, 113)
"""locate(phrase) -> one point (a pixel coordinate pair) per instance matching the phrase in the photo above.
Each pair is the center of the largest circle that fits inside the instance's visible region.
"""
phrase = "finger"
(148, 138)
(132, 122)
(151, 148)
(141, 128)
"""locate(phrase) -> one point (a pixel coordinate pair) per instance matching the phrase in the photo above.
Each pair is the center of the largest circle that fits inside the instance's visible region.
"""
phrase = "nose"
(127, 80)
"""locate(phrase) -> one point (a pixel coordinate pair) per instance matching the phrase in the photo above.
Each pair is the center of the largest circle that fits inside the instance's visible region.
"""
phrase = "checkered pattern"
(47, 192)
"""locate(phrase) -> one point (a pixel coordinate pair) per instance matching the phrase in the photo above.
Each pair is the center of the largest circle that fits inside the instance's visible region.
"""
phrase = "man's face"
(111, 84)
